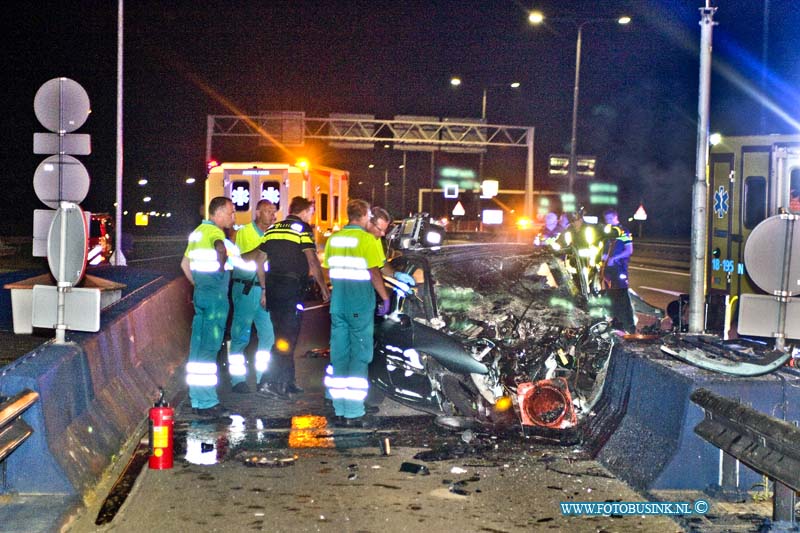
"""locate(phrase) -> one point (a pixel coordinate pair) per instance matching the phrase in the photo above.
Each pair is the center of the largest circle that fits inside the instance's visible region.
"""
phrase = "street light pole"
(574, 138)
(536, 17)
(386, 188)
(403, 194)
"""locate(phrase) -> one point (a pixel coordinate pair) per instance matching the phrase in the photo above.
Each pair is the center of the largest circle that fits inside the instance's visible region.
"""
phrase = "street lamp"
(535, 18)
(456, 82)
(512, 85)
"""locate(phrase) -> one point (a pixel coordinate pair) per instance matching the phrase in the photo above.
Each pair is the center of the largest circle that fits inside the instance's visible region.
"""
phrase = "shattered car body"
(498, 334)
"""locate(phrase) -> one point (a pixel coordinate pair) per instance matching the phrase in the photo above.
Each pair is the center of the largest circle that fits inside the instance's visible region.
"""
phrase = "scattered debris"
(447, 494)
(262, 460)
(457, 470)
(414, 468)
(386, 447)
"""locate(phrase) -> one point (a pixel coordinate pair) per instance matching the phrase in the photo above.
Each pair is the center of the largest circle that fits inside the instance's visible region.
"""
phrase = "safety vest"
(248, 238)
(349, 254)
(586, 243)
(201, 252)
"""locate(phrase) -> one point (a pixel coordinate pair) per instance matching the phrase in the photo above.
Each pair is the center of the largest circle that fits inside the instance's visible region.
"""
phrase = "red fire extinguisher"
(161, 423)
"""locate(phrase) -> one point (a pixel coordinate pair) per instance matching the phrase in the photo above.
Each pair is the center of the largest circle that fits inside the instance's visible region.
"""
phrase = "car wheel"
(460, 395)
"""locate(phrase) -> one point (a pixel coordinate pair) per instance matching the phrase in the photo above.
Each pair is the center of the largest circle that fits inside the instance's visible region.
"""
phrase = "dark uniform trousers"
(284, 291)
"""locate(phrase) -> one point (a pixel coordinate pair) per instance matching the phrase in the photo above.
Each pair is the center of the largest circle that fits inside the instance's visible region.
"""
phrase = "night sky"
(185, 60)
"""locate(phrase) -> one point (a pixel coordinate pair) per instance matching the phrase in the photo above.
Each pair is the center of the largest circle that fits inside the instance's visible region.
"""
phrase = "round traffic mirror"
(61, 105)
(72, 186)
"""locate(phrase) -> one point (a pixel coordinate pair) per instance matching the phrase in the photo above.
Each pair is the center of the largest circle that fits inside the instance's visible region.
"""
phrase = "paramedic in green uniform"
(206, 267)
(353, 261)
(248, 283)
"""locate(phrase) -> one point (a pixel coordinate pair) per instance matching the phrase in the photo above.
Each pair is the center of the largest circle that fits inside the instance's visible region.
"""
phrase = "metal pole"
(783, 503)
(697, 270)
(403, 194)
(480, 165)
(573, 140)
(529, 175)
(209, 135)
(118, 259)
(764, 61)
(62, 286)
(386, 189)
(433, 171)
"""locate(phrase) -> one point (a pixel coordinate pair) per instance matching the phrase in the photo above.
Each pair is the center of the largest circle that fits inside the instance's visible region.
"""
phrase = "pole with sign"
(61, 182)
(640, 215)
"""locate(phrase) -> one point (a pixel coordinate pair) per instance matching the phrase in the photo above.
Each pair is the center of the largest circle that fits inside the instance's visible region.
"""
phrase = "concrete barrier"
(644, 428)
(95, 390)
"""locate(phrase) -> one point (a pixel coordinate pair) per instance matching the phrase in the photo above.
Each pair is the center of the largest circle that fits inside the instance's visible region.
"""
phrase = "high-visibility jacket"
(200, 250)
(349, 254)
(248, 238)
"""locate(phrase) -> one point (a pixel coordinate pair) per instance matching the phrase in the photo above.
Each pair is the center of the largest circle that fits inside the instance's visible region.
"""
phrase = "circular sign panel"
(61, 105)
(772, 251)
(72, 223)
(72, 187)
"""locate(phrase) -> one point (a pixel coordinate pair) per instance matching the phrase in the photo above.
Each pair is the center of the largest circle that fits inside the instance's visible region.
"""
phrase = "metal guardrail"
(14, 430)
(766, 444)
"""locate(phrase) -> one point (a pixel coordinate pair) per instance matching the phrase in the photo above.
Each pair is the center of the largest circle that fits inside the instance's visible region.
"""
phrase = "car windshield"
(515, 286)
(494, 287)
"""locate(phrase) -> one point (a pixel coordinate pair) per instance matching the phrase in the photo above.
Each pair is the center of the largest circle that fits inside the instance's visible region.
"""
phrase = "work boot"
(364, 422)
(292, 389)
(337, 421)
(272, 391)
(241, 388)
(218, 411)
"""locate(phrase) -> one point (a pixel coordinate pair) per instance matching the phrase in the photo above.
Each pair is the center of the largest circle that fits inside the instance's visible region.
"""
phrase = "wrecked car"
(491, 334)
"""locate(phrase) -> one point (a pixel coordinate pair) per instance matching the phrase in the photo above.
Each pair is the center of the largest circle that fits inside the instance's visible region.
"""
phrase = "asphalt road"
(339, 479)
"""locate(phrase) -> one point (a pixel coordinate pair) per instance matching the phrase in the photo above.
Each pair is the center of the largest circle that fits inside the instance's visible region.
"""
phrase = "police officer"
(354, 262)
(248, 284)
(289, 245)
(616, 255)
(206, 267)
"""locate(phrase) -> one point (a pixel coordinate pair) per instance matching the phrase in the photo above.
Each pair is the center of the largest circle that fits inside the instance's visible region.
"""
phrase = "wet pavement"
(280, 466)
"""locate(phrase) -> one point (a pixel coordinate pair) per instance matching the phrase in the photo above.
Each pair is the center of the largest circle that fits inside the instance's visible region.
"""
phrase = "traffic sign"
(772, 256)
(42, 220)
(61, 105)
(69, 143)
(81, 308)
(69, 222)
(60, 177)
(489, 188)
(640, 213)
(451, 190)
(61, 182)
